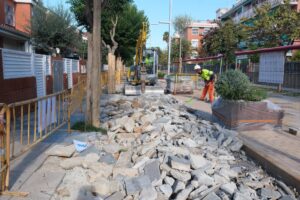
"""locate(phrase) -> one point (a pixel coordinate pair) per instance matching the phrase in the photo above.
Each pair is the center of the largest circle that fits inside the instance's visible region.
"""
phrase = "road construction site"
(161, 147)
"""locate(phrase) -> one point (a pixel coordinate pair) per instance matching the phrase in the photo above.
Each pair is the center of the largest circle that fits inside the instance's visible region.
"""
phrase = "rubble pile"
(156, 149)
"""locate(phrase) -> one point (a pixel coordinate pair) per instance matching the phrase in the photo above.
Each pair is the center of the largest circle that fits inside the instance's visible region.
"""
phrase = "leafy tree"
(185, 49)
(88, 14)
(52, 29)
(272, 27)
(84, 14)
(128, 30)
(296, 56)
(224, 40)
(181, 23)
(163, 58)
(166, 37)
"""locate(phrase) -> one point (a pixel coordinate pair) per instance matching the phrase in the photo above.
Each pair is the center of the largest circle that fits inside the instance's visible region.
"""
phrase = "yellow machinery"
(137, 75)
(133, 75)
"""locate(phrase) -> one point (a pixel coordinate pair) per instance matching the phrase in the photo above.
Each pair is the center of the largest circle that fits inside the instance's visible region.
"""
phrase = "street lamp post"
(170, 40)
(177, 36)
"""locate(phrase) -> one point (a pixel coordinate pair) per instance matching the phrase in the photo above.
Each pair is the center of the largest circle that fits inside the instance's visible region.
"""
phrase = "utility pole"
(170, 39)
(180, 55)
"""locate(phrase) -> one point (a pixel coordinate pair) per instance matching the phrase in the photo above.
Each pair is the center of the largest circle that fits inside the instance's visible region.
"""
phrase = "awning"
(10, 32)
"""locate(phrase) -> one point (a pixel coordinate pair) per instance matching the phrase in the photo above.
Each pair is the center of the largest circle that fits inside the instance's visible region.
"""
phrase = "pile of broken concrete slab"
(156, 149)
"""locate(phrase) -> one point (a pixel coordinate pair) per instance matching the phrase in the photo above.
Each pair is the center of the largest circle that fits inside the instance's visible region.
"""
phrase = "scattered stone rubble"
(155, 149)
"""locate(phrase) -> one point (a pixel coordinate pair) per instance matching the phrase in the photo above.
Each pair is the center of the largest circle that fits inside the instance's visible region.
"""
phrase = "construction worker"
(209, 80)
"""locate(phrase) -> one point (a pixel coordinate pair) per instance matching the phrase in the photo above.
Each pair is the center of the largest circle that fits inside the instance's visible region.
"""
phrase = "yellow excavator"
(133, 75)
(144, 70)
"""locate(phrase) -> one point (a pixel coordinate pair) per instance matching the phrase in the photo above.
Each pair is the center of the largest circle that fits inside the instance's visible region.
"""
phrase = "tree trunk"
(96, 63)
(88, 80)
(111, 73)
(118, 69)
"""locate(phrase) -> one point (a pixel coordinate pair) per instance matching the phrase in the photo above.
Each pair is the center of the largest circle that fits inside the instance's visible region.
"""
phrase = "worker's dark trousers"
(210, 88)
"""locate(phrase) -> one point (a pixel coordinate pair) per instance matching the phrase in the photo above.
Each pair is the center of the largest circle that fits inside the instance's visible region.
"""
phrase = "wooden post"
(221, 63)
(118, 70)
(111, 73)
(69, 114)
(143, 78)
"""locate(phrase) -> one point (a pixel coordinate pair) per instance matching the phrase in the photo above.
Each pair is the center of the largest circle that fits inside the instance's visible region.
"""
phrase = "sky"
(158, 10)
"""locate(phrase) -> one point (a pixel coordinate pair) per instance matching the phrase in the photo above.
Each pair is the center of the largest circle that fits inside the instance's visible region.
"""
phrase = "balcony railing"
(251, 12)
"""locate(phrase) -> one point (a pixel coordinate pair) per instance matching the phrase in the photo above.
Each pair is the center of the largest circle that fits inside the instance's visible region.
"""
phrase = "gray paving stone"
(212, 196)
(152, 170)
(137, 184)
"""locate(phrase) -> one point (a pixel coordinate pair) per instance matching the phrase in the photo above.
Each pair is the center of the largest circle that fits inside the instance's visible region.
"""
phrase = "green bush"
(235, 85)
(83, 127)
(161, 75)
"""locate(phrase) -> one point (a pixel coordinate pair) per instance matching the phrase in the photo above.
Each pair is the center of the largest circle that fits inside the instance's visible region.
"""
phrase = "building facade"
(195, 32)
(15, 20)
(245, 9)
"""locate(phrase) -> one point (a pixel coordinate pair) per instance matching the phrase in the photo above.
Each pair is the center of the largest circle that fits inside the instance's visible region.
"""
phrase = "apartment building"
(245, 9)
(15, 16)
(195, 33)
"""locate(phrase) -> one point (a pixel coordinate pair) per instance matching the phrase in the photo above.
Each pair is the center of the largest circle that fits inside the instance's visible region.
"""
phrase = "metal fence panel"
(17, 64)
(39, 63)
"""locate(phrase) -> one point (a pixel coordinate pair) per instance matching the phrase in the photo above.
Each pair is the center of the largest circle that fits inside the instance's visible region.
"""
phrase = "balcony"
(249, 13)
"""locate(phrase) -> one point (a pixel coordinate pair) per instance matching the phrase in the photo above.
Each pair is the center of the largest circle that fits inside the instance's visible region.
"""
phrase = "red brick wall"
(23, 16)
(14, 90)
(65, 81)
(189, 36)
(75, 78)
(49, 84)
(2, 15)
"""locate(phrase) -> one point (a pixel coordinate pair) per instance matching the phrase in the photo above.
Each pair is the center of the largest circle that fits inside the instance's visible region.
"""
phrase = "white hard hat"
(197, 67)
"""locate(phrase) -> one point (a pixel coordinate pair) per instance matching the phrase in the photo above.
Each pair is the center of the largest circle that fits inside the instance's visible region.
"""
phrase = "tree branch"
(88, 12)
(107, 46)
(113, 33)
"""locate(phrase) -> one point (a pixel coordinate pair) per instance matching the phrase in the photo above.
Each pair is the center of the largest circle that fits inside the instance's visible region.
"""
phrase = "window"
(9, 14)
(195, 31)
(195, 43)
(206, 30)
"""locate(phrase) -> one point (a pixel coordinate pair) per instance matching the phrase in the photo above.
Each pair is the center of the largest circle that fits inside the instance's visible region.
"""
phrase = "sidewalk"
(27, 174)
(278, 152)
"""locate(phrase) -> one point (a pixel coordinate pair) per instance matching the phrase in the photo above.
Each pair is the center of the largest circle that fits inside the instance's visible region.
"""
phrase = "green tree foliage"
(83, 10)
(128, 30)
(235, 85)
(52, 29)
(163, 58)
(273, 27)
(130, 21)
(223, 40)
(181, 23)
(166, 37)
(296, 56)
(185, 49)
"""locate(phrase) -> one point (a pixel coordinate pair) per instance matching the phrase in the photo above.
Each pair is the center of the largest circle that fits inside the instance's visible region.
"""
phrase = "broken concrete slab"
(152, 170)
(198, 161)
(137, 184)
(70, 163)
(166, 190)
(229, 188)
(128, 172)
(61, 151)
(148, 194)
(180, 163)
